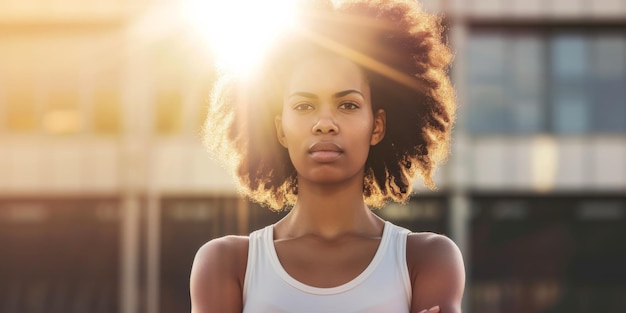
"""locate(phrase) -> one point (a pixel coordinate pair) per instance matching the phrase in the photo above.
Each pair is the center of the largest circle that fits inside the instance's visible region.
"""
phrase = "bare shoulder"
(429, 247)
(437, 272)
(224, 255)
(228, 247)
(217, 275)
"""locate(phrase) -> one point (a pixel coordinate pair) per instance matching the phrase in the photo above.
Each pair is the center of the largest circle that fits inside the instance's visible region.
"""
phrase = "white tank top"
(384, 286)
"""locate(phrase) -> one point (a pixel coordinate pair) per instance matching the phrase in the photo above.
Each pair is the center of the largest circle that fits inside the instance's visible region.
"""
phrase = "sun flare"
(238, 31)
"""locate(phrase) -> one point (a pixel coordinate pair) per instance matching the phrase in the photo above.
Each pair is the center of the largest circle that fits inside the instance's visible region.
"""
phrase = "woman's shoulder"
(426, 248)
(217, 275)
(227, 250)
(437, 271)
(431, 241)
(226, 255)
(226, 243)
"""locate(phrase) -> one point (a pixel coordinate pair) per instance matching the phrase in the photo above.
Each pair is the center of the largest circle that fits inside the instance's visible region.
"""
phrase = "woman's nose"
(325, 125)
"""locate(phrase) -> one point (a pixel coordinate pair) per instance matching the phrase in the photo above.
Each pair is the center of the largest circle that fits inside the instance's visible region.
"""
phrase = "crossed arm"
(437, 273)
(216, 281)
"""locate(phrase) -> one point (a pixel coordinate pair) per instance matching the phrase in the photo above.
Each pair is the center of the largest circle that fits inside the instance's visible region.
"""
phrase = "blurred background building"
(106, 191)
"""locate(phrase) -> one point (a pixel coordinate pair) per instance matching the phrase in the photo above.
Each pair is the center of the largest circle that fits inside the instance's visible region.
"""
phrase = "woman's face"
(327, 123)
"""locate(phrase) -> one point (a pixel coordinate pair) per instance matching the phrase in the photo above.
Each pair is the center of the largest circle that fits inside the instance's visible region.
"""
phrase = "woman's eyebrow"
(347, 92)
(313, 96)
(304, 95)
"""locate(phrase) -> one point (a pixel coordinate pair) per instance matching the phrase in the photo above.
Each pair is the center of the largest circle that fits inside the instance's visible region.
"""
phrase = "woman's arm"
(437, 273)
(216, 281)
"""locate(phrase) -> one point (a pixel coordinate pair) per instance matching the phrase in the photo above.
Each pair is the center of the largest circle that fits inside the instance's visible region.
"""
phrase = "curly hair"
(406, 62)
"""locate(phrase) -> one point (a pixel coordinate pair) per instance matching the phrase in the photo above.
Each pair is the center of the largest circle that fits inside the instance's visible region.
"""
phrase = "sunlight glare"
(238, 31)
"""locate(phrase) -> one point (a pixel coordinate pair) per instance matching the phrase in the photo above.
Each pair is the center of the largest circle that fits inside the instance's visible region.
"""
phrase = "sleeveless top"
(384, 286)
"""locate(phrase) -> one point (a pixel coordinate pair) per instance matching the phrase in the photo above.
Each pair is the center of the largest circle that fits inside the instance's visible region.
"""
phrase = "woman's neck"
(329, 212)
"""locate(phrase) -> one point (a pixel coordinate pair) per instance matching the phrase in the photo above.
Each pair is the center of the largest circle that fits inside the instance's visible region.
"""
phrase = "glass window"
(21, 110)
(506, 91)
(168, 112)
(571, 111)
(487, 111)
(105, 100)
(106, 112)
(487, 56)
(608, 74)
(528, 90)
(63, 114)
(563, 81)
(569, 56)
(170, 70)
(570, 63)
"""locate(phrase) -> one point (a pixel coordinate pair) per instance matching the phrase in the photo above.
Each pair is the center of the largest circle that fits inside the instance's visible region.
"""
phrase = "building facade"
(106, 191)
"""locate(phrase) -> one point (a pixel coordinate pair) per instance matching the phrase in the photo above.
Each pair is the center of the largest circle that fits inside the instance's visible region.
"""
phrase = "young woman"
(344, 113)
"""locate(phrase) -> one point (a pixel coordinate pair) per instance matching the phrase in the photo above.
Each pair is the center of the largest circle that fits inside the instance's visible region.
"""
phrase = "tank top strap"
(400, 236)
(257, 252)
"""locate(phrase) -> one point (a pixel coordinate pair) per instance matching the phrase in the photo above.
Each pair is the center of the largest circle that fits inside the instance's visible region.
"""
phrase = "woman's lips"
(325, 156)
(325, 152)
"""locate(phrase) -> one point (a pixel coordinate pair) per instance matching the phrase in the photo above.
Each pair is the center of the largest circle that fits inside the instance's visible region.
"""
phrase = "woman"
(344, 114)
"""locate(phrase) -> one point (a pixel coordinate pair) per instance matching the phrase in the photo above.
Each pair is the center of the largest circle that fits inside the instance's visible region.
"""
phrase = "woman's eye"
(303, 107)
(349, 106)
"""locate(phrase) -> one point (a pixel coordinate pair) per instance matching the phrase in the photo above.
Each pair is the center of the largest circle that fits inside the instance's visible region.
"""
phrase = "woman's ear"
(280, 134)
(380, 126)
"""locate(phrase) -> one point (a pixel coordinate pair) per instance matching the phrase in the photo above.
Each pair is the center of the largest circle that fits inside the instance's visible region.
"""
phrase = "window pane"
(106, 112)
(169, 61)
(488, 111)
(528, 65)
(608, 59)
(62, 114)
(566, 82)
(571, 110)
(569, 56)
(168, 112)
(529, 112)
(21, 113)
(19, 76)
(528, 84)
(486, 56)
(506, 83)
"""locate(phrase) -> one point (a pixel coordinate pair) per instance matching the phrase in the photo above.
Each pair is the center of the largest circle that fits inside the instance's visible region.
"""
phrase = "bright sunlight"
(238, 32)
